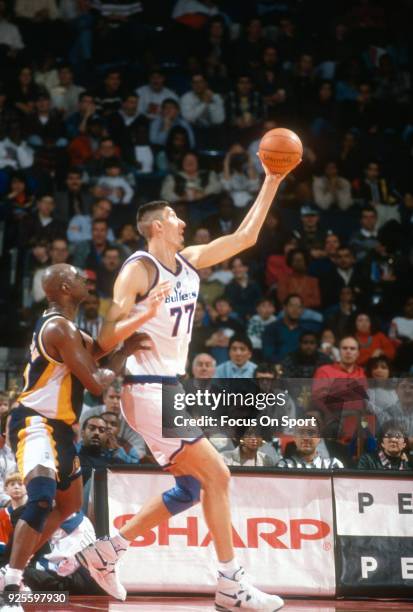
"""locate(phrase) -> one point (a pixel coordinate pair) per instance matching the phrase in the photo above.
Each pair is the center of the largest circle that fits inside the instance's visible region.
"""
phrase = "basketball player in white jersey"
(199, 470)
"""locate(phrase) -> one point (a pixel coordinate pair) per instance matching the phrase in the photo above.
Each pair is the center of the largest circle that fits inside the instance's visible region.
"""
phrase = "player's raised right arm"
(134, 280)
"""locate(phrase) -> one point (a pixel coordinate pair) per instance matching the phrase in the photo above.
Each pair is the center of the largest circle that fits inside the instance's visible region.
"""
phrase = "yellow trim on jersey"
(65, 410)
(41, 381)
(49, 432)
(40, 342)
(21, 443)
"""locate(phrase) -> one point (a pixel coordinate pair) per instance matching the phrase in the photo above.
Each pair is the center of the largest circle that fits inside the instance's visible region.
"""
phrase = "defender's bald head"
(57, 275)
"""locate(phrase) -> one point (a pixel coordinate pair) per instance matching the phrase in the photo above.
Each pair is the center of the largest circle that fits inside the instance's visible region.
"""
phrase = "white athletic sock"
(120, 544)
(229, 568)
(13, 576)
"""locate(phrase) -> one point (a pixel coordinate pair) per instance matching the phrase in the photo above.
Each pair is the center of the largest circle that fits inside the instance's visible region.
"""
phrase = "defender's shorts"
(37, 440)
(141, 405)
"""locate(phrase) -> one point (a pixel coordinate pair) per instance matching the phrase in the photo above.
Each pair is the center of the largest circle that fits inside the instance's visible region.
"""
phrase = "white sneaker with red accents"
(100, 559)
(237, 593)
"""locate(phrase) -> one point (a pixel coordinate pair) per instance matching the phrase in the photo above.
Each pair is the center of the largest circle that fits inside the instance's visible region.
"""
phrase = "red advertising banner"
(283, 535)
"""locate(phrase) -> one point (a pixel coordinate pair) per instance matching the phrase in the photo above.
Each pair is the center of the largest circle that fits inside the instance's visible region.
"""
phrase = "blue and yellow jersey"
(50, 388)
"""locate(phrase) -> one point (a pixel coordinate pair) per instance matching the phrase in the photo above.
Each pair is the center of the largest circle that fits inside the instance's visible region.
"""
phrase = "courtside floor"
(196, 604)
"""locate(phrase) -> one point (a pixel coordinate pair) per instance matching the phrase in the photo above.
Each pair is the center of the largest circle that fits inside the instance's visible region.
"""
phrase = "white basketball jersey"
(170, 330)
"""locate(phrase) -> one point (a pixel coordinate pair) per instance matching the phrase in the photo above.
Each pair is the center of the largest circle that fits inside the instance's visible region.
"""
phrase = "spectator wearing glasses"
(391, 453)
(248, 453)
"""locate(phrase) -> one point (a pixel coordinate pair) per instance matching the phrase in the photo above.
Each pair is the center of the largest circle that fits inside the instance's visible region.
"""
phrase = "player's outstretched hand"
(137, 342)
(157, 295)
(276, 176)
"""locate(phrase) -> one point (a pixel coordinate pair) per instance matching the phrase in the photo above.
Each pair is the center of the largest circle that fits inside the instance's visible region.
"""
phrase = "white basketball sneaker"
(237, 593)
(22, 588)
(100, 559)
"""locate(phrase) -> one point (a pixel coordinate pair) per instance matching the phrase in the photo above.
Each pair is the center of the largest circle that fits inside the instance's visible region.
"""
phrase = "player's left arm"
(205, 255)
(116, 359)
(119, 324)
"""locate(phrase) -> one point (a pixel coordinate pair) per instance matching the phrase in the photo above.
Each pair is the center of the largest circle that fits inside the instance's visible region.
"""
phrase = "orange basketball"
(280, 150)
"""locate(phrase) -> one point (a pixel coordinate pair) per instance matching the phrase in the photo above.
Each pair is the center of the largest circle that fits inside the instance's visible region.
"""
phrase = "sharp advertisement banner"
(374, 522)
(282, 527)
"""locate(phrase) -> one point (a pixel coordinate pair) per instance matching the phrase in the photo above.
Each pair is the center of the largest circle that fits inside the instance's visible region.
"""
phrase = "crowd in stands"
(133, 101)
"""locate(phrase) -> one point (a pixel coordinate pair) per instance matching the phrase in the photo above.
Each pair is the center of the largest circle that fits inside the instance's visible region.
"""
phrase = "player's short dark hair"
(243, 339)
(147, 213)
